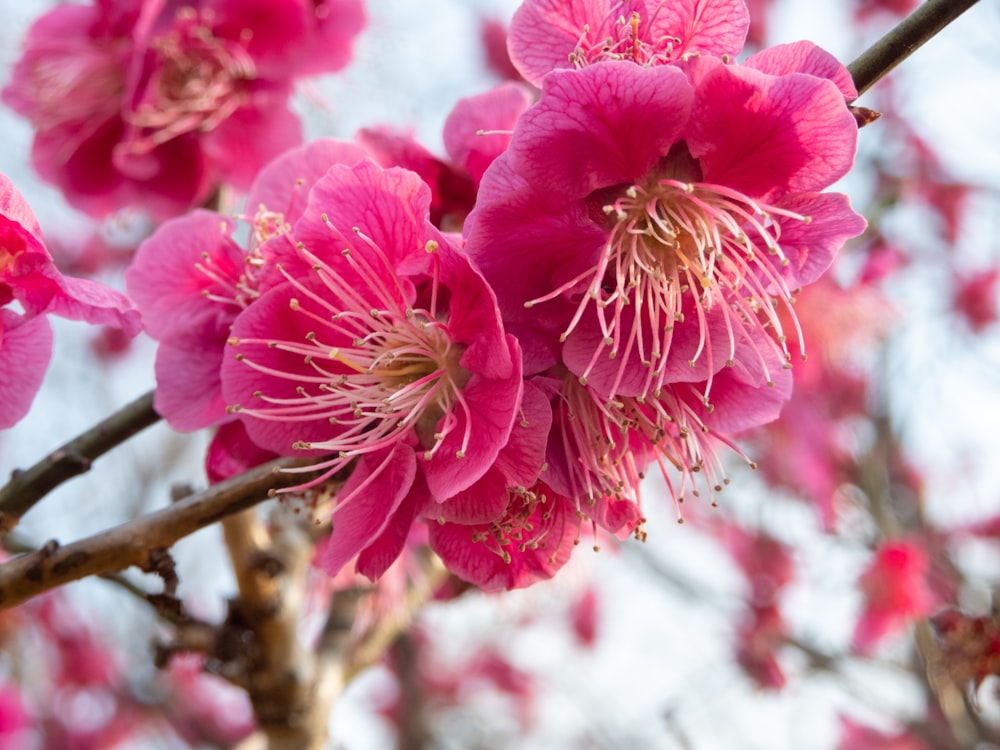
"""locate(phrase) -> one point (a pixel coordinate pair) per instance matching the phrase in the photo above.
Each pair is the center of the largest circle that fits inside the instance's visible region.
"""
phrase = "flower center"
(374, 367)
(676, 245)
(623, 43)
(198, 81)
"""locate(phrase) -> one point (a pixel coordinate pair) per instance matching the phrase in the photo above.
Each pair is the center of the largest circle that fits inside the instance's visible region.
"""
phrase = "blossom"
(190, 279)
(674, 203)
(644, 232)
(28, 276)
(382, 348)
(895, 591)
(151, 105)
(547, 35)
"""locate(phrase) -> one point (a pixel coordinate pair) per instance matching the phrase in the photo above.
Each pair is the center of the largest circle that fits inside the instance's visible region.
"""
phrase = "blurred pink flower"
(141, 103)
(895, 591)
(28, 276)
(975, 298)
(855, 736)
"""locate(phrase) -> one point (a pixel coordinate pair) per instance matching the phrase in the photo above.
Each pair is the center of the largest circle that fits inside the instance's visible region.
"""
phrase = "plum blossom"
(644, 232)
(154, 105)
(379, 347)
(547, 35)
(30, 279)
(895, 589)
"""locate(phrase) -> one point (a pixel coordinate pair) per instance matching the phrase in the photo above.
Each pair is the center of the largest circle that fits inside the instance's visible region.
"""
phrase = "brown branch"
(904, 39)
(27, 487)
(139, 542)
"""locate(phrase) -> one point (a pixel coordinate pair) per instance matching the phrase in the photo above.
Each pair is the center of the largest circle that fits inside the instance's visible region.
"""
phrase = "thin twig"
(138, 542)
(904, 39)
(27, 487)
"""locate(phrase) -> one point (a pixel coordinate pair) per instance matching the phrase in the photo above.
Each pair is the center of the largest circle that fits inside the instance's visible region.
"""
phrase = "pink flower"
(675, 202)
(383, 348)
(758, 640)
(151, 105)
(895, 591)
(644, 231)
(975, 298)
(28, 276)
(547, 35)
(191, 279)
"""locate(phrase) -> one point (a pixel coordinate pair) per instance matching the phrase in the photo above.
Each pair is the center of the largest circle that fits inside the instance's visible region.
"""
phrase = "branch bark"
(139, 542)
(904, 39)
(27, 487)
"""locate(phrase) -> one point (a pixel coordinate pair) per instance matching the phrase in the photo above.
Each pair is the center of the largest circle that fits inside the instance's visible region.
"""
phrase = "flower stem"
(27, 487)
(904, 39)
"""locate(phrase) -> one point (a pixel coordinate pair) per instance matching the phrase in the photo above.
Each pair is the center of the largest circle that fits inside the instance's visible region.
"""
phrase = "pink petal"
(251, 137)
(522, 458)
(543, 33)
(804, 57)
(811, 247)
(231, 452)
(768, 136)
(91, 302)
(366, 504)
(484, 501)
(188, 384)
(25, 350)
(383, 551)
(600, 126)
(705, 27)
(165, 280)
(283, 185)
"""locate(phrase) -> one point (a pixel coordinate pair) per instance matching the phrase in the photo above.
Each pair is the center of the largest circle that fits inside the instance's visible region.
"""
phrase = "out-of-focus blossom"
(758, 640)
(855, 736)
(895, 591)
(843, 326)
(29, 278)
(14, 719)
(155, 106)
(866, 10)
(975, 298)
(493, 36)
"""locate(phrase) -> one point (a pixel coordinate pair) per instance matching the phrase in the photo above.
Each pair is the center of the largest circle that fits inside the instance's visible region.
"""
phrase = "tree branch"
(27, 487)
(904, 39)
(140, 541)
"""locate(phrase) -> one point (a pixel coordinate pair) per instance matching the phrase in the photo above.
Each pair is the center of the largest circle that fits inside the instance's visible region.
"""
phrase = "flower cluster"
(154, 105)
(620, 297)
